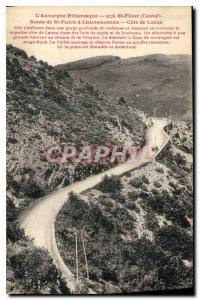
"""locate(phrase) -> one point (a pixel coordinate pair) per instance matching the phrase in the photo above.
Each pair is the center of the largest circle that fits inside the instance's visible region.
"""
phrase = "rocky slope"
(164, 81)
(137, 229)
(46, 107)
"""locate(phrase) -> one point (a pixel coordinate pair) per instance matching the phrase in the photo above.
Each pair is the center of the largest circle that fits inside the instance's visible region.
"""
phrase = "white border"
(102, 3)
(3, 4)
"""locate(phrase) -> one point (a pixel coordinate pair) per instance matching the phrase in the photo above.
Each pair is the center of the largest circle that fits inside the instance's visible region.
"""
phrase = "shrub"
(145, 188)
(176, 212)
(16, 51)
(110, 184)
(131, 205)
(154, 192)
(36, 271)
(157, 184)
(15, 61)
(180, 160)
(151, 221)
(172, 184)
(42, 74)
(33, 188)
(120, 198)
(133, 195)
(176, 240)
(32, 57)
(50, 91)
(156, 203)
(145, 179)
(144, 195)
(177, 191)
(160, 170)
(106, 202)
(61, 74)
(13, 232)
(127, 174)
(11, 212)
(122, 100)
(136, 182)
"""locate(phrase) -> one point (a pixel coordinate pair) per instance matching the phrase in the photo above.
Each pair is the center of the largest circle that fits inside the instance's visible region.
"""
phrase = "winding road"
(39, 218)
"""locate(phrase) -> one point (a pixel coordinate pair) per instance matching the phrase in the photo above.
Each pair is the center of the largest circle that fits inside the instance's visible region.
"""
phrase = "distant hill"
(89, 63)
(164, 81)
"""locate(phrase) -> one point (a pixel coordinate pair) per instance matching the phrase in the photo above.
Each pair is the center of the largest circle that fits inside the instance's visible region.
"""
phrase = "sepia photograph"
(99, 160)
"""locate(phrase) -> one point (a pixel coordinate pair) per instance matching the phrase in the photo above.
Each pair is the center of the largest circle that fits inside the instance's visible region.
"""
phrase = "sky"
(171, 16)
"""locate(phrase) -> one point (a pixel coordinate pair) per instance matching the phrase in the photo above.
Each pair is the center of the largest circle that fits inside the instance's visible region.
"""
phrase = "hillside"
(163, 81)
(137, 228)
(46, 107)
(93, 62)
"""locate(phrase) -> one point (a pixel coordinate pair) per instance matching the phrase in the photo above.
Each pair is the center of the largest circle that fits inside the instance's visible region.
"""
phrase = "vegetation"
(167, 237)
(160, 170)
(59, 109)
(110, 184)
(136, 238)
(31, 269)
(179, 159)
(14, 233)
(157, 184)
(151, 220)
(159, 81)
(182, 136)
(36, 272)
(163, 203)
(33, 188)
(137, 182)
(145, 179)
(136, 265)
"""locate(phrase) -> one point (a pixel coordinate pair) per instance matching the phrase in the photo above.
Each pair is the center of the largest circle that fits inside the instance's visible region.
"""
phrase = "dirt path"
(38, 220)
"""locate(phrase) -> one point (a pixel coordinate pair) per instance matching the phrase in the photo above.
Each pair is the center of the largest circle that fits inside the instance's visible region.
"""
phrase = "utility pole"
(170, 114)
(154, 112)
(77, 269)
(86, 262)
(167, 121)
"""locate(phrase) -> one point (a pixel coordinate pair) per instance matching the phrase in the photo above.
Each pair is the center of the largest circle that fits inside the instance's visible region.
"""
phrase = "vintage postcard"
(99, 150)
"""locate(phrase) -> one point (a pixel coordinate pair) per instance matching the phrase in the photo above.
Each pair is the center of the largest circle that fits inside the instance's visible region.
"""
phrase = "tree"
(145, 179)
(13, 232)
(36, 271)
(110, 184)
(180, 160)
(60, 73)
(136, 182)
(176, 240)
(33, 188)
